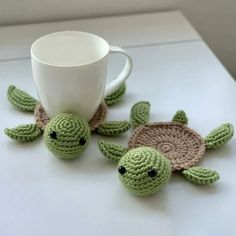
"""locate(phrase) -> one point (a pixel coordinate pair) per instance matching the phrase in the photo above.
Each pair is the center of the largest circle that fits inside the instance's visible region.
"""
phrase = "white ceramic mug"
(70, 71)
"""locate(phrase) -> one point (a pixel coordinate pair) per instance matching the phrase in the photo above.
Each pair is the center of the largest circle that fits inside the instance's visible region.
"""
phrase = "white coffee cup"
(70, 71)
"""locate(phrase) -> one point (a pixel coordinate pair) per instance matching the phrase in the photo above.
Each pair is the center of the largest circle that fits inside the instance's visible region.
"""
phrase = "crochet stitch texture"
(180, 144)
(139, 163)
(66, 135)
(173, 145)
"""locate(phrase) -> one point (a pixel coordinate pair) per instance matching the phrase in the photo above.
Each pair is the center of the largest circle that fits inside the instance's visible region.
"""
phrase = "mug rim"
(68, 66)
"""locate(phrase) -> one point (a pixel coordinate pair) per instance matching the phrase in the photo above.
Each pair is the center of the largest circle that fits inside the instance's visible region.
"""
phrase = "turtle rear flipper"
(200, 175)
(113, 128)
(140, 113)
(21, 99)
(116, 97)
(219, 136)
(24, 133)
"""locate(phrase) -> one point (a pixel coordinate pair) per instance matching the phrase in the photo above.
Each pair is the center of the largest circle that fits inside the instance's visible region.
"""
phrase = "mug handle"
(114, 85)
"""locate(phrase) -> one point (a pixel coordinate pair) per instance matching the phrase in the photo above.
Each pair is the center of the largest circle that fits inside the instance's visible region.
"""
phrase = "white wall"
(214, 19)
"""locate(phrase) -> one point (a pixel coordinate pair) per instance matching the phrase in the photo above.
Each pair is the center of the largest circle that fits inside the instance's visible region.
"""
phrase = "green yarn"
(144, 170)
(24, 133)
(162, 148)
(112, 151)
(116, 97)
(21, 99)
(180, 117)
(67, 135)
(219, 136)
(200, 175)
(113, 128)
(140, 113)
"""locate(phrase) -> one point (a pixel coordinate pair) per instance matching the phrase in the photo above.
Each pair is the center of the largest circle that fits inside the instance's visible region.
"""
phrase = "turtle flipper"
(200, 175)
(115, 97)
(113, 128)
(24, 133)
(112, 151)
(21, 99)
(180, 117)
(219, 136)
(140, 113)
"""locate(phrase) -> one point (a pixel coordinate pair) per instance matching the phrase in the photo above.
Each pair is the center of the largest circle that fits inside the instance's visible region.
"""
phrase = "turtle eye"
(82, 141)
(121, 170)
(152, 172)
(53, 135)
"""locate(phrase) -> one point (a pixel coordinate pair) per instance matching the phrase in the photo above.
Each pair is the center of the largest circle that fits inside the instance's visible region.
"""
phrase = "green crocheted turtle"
(66, 135)
(155, 150)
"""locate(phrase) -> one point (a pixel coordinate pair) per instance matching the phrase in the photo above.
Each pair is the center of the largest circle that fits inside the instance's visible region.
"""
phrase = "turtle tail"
(180, 117)
(20, 99)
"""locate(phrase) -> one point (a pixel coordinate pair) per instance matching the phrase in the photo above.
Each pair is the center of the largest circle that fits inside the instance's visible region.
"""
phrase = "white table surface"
(42, 195)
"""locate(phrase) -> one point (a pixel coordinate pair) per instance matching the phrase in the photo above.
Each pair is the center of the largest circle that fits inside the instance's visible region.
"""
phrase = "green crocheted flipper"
(21, 99)
(219, 136)
(67, 135)
(112, 151)
(140, 113)
(24, 133)
(113, 128)
(200, 175)
(116, 96)
(180, 117)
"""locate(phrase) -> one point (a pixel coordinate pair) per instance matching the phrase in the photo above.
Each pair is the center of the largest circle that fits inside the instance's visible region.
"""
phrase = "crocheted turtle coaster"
(157, 149)
(66, 135)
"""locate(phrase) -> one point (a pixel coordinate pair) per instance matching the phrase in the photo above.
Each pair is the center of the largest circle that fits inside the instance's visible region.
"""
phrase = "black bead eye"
(121, 170)
(53, 135)
(152, 172)
(82, 141)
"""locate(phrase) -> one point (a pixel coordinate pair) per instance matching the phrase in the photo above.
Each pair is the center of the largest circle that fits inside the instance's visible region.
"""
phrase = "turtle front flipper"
(180, 117)
(21, 99)
(200, 175)
(112, 151)
(24, 133)
(116, 97)
(140, 113)
(113, 128)
(219, 136)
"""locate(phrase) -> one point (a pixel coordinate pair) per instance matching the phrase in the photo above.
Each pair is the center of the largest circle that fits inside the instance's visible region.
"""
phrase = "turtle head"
(144, 170)
(67, 135)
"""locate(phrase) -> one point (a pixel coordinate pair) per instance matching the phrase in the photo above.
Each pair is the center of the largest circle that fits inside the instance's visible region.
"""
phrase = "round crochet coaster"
(42, 118)
(180, 144)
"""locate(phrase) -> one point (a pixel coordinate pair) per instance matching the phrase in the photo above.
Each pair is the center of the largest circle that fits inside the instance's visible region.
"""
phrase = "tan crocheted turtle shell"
(182, 145)
(42, 118)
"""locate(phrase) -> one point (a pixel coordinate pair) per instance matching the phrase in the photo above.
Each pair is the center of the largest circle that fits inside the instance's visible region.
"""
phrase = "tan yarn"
(42, 118)
(99, 117)
(180, 144)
